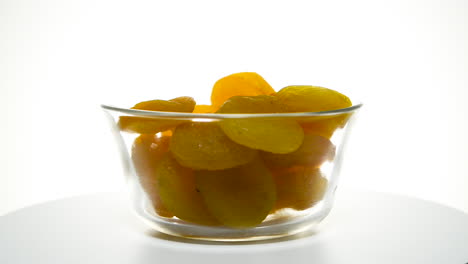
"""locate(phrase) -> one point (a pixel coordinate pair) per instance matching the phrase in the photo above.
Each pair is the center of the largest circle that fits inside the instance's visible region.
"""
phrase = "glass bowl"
(197, 178)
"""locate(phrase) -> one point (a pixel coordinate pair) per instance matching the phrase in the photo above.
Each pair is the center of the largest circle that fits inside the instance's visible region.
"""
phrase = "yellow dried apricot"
(314, 151)
(306, 98)
(240, 197)
(147, 151)
(252, 104)
(176, 187)
(243, 83)
(151, 125)
(276, 136)
(204, 146)
(299, 187)
(272, 135)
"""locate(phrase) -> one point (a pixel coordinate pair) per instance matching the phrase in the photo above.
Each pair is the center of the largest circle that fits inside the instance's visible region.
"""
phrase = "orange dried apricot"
(147, 151)
(167, 133)
(324, 126)
(176, 187)
(240, 197)
(204, 146)
(299, 187)
(243, 83)
(272, 135)
(202, 109)
(314, 151)
(152, 125)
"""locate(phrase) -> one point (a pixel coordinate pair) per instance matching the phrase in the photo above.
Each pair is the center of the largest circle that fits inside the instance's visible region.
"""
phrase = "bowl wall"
(231, 177)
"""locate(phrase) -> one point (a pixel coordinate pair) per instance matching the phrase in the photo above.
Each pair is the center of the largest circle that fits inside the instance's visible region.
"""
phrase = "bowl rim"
(184, 115)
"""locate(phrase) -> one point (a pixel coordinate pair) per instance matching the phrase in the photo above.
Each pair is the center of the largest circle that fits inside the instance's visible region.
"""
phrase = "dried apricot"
(147, 151)
(240, 197)
(252, 104)
(324, 126)
(299, 187)
(243, 83)
(314, 151)
(204, 146)
(276, 136)
(201, 109)
(151, 125)
(306, 98)
(176, 187)
(167, 133)
(272, 135)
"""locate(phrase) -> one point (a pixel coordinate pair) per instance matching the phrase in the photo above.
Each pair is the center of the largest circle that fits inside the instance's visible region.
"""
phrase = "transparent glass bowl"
(193, 180)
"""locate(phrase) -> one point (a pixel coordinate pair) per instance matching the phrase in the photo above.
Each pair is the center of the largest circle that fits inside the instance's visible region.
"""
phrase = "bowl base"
(286, 222)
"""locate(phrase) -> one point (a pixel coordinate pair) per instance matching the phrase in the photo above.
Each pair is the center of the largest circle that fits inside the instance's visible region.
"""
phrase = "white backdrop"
(407, 60)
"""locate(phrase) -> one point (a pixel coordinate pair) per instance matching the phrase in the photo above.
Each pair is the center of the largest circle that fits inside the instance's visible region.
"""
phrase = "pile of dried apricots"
(235, 172)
